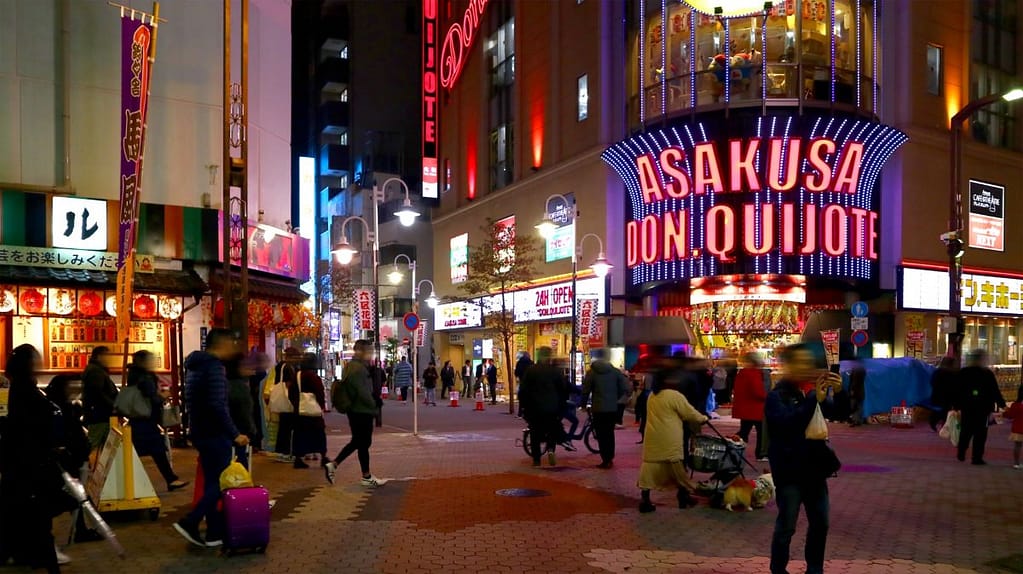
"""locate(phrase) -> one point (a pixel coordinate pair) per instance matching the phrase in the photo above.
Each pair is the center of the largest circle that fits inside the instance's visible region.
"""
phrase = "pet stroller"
(722, 457)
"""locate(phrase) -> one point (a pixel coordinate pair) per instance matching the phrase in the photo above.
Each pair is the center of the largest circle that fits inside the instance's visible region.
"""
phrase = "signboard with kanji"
(365, 308)
(74, 259)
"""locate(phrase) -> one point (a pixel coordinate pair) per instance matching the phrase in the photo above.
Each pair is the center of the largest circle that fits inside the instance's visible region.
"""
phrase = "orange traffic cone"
(453, 395)
(384, 393)
(479, 401)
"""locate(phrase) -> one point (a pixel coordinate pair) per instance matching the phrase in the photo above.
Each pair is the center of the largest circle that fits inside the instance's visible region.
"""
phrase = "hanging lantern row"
(266, 316)
(84, 303)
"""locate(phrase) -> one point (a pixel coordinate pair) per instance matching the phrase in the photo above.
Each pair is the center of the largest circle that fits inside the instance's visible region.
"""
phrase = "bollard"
(453, 397)
(479, 401)
(384, 392)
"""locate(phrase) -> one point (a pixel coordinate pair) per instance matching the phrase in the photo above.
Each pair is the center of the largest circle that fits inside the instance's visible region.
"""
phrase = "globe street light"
(432, 300)
(406, 215)
(345, 252)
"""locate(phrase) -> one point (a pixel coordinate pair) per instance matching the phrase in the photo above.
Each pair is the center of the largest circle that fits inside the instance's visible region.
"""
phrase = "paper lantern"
(62, 301)
(32, 301)
(7, 301)
(90, 304)
(111, 306)
(218, 310)
(145, 306)
(170, 307)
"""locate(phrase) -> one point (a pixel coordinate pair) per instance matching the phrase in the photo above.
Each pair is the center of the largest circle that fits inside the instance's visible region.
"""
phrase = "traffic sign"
(410, 321)
(859, 323)
(860, 309)
(859, 338)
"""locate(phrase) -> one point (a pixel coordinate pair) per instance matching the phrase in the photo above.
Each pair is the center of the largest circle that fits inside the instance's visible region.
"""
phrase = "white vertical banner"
(421, 334)
(586, 318)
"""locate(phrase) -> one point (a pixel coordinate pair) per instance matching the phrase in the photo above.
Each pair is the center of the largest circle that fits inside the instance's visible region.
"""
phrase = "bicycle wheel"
(590, 440)
(526, 443)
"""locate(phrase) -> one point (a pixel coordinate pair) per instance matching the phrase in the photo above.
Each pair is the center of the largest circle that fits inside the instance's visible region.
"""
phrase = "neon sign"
(455, 49)
(430, 99)
(753, 195)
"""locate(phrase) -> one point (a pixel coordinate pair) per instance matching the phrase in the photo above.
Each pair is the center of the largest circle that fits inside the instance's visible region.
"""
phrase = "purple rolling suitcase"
(247, 519)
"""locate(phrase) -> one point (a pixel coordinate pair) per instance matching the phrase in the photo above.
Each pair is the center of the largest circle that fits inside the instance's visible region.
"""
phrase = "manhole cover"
(522, 492)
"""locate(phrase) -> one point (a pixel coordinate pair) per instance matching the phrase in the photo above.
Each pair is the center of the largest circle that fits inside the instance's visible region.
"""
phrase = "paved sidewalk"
(902, 504)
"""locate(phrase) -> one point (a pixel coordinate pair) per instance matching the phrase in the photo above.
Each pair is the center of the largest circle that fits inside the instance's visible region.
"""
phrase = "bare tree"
(497, 264)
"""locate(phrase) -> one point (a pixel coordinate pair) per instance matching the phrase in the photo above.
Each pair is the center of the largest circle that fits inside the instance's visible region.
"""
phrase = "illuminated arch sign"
(753, 195)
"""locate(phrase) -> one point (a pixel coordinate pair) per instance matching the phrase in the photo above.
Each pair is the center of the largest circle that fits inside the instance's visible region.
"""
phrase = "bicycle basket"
(708, 453)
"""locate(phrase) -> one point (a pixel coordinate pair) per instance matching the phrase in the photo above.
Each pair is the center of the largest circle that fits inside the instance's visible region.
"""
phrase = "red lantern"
(33, 301)
(218, 311)
(90, 304)
(145, 307)
(287, 316)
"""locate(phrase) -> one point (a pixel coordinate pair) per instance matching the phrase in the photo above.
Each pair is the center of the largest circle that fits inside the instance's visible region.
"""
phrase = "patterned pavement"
(902, 505)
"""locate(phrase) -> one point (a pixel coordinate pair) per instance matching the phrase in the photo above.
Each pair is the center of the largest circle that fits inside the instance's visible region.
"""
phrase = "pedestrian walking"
(353, 395)
(403, 378)
(239, 401)
(310, 429)
(523, 363)
(1015, 414)
(467, 379)
(478, 383)
(977, 397)
(98, 396)
(858, 393)
(260, 363)
(668, 414)
(212, 432)
(544, 391)
(609, 388)
(642, 401)
(748, 401)
(492, 381)
(447, 379)
(430, 377)
(943, 383)
(794, 466)
(146, 434)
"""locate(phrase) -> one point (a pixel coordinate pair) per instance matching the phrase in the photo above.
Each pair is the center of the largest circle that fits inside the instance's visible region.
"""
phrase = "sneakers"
(1018, 466)
(551, 459)
(62, 559)
(371, 481)
(190, 533)
(177, 485)
(606, 465)
(330, 469)
(216, 543)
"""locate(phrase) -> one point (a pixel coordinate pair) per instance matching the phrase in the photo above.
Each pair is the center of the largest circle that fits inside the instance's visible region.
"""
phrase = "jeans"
(620, 415)
(404, 393)
(431, 396)
(570, 415)
(604, 431)
(813, 496)
(214, 456)
(745, 426)
(974, 426)
(856, 414)
(362, 438)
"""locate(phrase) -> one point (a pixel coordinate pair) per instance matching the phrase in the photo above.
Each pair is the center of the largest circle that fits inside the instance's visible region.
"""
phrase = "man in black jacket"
(608, 387)
(976, 396)
(544, 391)
(98, 395)
(788, 412)
(212, 432)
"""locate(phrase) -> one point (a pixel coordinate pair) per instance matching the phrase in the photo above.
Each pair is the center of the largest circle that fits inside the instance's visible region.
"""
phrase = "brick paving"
(902, 505)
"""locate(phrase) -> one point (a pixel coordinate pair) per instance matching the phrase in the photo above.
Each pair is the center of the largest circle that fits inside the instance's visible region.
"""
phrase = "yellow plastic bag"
(235, 476)
(818, 427)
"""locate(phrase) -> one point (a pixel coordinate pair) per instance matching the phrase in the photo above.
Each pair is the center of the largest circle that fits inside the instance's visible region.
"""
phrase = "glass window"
(679, 56)
(780, 51)
(816, 49)
(583, 97)
(845, 36)
(746, 52)
(500, 155)
(993, 69)
(935, 63)
(653, 63)
(710, 60)
(867, 52)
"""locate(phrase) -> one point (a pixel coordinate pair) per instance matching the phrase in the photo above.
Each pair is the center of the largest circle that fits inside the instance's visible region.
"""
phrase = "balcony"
(334, 70)
(334, 115)
(335, 160)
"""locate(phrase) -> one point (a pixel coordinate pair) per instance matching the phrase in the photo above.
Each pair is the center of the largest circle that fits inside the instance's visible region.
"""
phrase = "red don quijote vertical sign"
(430, 92)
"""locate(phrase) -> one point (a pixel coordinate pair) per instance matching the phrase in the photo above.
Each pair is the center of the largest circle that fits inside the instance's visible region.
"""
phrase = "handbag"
(308, 406)
(279, 401)
(171, 416)
(817, 430)
(822, 462)
(131, 403)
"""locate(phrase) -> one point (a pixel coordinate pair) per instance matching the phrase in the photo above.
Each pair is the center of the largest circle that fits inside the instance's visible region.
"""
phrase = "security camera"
(949, 236)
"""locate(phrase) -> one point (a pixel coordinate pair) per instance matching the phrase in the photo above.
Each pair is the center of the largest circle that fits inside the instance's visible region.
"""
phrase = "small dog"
(748, 494)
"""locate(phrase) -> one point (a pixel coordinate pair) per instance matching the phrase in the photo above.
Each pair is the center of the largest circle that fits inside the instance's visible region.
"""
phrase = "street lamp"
(396, 276)
(432, 300)
(406, 215)
(953, 238)
(345, 252)
(601, 266)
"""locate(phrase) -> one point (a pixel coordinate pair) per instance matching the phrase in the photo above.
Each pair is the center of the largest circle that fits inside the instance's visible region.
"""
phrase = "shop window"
(653, 61)
(500, 156)
(710, 50)
(679, 57)
(745, 53)
(935, 69)
(583, 97)
(816, 49)
(780, 51)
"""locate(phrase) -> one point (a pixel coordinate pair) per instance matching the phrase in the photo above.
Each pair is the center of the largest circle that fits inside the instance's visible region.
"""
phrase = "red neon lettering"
(871, 234)
(809, 229)
(676, 240)
(791, 148)
(821, 179)
(848, 172)
(631, 243)
(678, 182)
(859, 234)
(648, 239)
(706, 168)
(648, 179)
(743, 165)
(749, 236)
(836, 230)
(455, 48)
(720, 228)
(788, 229)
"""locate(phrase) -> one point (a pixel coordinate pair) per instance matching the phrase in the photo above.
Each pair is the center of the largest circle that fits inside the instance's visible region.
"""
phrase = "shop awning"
(170, 282)
(650, 331)
(262, 287)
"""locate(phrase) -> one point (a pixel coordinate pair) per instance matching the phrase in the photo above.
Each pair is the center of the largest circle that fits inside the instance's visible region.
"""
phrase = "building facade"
(753, 173)
(60, 84)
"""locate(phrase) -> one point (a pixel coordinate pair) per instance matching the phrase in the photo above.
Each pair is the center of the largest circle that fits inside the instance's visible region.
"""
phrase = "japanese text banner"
(136, 37)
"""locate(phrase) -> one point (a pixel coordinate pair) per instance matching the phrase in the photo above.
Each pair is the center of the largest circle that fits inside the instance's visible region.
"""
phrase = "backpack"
(339, 396)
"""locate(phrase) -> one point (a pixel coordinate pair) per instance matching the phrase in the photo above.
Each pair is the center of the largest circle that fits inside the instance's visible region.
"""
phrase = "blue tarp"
(891, 381)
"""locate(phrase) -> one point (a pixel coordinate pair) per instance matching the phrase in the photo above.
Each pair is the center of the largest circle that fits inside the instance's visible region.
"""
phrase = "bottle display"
(73, 340)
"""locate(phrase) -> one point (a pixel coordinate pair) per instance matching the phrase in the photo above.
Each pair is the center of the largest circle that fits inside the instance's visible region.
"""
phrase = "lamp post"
(953, 238)
(396, 276)
(344, 252)
(601, 266)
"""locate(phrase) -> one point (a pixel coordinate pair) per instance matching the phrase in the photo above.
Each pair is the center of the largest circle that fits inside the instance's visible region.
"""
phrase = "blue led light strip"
(664, 57)
(859, 51)
(834, 42)
(642, 61)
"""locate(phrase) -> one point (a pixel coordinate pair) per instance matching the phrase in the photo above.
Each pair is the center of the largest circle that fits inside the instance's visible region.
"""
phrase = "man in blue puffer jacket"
(212, 432)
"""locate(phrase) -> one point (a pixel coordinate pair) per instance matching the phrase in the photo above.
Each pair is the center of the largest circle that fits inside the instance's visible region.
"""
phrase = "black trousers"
(493, 392)
(745, 426)
(362, 438)
(604, 430)
(404, 393)
(974, 427)
(812, 495)
(164, 466)
(26, 527)
(544, 429)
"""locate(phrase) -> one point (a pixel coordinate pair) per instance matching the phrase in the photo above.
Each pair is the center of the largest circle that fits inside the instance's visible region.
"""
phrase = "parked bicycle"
(585, 434)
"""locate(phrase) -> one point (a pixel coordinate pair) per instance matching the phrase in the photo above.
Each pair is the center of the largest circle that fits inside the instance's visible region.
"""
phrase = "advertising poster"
(560, 243)
(365, 307)
(915, 344)
(459, 258)
(987, 216)
(830, 339)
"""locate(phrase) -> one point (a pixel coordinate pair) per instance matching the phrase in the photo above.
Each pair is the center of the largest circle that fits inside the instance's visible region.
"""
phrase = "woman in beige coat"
(667, 413)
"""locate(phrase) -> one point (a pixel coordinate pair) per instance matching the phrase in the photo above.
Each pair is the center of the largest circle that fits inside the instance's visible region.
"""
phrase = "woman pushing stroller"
(668, 412)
